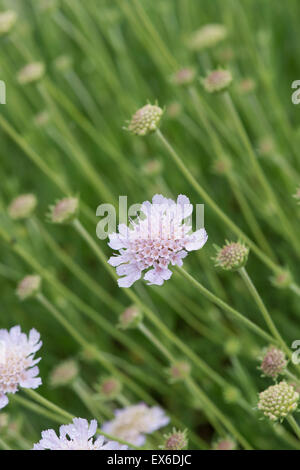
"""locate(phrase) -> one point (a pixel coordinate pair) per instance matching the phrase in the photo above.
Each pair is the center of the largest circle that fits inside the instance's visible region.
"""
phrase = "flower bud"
(64, 211)
(22, 206)
(231, 394)
(174, 110)
(7, 20)
(282, 280)
(225, 444)
(232, 346)
(64, 373)
(176, 440)
(179, 371)
(184, 76)
(273, 362)
(247, 85)
(28, 287)
(152, 168)
(41, 119)
(231, 256)
(217, 80)
(130, 318)
(278, 401)
(207, 36)
(109, 388)
(31, 73)
(145, 120)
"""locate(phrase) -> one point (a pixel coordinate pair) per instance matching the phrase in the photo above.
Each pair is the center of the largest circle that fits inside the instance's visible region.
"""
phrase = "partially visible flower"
(224, 444)
(109, 388)
(176, 440)
(232, 256)
(282, 280)
(179, 371)
(64, 373)
(145, 120)
(274, 362)
(207, 36)
(152, 168)
(278, 401)
(133, 422)
(29, 286)
(247, 85)
(76, 436)
(130, 318)
(297, 195)
(217, 80)
(184, 76)
(159, 238)
(22, 206)
(222, 165)
(31, 73)
(64, 211)
(174, 110)
(7, 20)
(17, 364)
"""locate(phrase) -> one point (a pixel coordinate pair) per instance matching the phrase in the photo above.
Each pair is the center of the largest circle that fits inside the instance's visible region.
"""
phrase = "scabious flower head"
(282, 280)
(152, 168)
(29, 286)
(64, 211)
(217, 80)
(232, 256)
(207, 36)
(247, 85)
(64, 373)
(278, 401)
(145, 120)
(22, 206)
(224, 444)
(17, 364)
(222, 165)
(184, 76)
(133, 422)
(31, 73)
(179, 371)
(130, 318)
(109, 388)
(176, 440)
(7, 20)
(273, 362)
(159, 238)
(76, 436)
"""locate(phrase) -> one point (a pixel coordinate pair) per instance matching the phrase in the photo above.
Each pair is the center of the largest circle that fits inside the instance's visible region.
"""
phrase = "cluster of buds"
(207, 36)
(176, 440)
(146, 120)
(217, 81)
(130, 318)
(232, 256)
(273, 362)
(278, 401)
(22, 206)
(64, 211)
(64, 374)
(28, 287)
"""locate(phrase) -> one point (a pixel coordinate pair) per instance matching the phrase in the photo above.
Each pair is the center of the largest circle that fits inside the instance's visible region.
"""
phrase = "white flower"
(155, 240)
(17, 364)
(76, 436)
(132, 422)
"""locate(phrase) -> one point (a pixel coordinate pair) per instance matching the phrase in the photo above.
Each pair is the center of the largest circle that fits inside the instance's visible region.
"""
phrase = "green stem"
(294, 425)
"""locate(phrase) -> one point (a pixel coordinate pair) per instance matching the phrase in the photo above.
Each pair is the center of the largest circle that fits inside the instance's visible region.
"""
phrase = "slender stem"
(224, 306)
(294, 425)
(3, 445)
(266, 315)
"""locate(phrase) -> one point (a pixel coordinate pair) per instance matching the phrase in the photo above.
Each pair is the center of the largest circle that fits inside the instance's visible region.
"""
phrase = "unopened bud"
(109, 388)
(207, 36)
(145, 120)
(31, 73)
(130, 318)
(179, 371)
(22, 206)
(28, 287)
(273, 362)
(231, 256)
(217, 81)
(64, 373)
(184, 76)
(176, 440)
(278, 401)
(64, 211)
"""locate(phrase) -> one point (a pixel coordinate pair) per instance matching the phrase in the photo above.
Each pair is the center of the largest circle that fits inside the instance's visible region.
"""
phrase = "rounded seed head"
(278, 401)
(273, 362)
(145, 120)
(247, 85)
(207, 36)
(22, 206)
(222, 166)
(232, 256)
(7, 20)
(64, 373)
(179, 371)
(28, 287)
(176, 440)
(184, 76)
(224, 444)
(64, 211)
(109, 388)
(31, 73)
(130, 318)
(217, 80)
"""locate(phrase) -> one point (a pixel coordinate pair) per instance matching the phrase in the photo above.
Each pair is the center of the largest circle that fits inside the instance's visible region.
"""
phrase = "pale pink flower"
(76, 436)
(159, 237)
(133, 422)
(17, 364)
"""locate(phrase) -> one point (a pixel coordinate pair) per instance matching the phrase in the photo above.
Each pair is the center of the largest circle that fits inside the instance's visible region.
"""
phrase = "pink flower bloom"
(160, 237)
(17, 363)
(76, 436)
